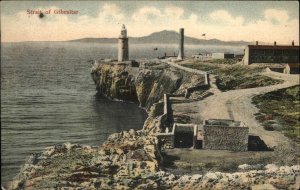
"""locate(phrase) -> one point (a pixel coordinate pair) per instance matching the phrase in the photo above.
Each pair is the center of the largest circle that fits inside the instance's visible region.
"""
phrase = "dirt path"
(237, 105)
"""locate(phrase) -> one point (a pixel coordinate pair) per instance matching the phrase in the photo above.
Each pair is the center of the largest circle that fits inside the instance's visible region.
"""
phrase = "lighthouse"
(123, 54)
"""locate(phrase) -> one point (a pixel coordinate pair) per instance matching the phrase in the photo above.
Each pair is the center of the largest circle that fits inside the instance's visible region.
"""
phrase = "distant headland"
(164, 37)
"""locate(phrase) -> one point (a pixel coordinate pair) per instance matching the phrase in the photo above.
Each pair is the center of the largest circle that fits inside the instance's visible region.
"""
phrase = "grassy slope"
(280, 110)
(231, 76)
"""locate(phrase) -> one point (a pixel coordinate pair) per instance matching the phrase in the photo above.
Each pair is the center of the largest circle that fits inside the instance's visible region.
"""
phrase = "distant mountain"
(164, 37)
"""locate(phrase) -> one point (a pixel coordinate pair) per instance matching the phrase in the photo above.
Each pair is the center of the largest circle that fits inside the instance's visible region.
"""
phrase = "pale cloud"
(280, 16)
(265, 30)
(193, 18)
(23, 27)
(111, 11)
(146, 20)
(174, 12)
(225, 17)
(146, 14)
(151, 19)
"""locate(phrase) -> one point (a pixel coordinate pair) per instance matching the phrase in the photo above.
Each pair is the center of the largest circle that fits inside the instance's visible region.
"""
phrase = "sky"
(266, 21)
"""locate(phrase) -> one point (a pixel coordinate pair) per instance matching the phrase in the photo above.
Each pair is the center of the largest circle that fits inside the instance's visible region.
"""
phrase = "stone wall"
(225, 138)
(166, 140)
(179, 127)
(192, 89)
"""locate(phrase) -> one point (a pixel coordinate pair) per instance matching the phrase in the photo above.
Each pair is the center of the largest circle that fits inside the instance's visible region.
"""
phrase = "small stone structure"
(215, 134)
(271, 54)
(292, 68)
(225, 55)
(181, 44)
(181, 136)
(203, 56)
(185, 135)
(123, 49)
(221, 134)
(287, 68)
(167, 56)
(166, 139)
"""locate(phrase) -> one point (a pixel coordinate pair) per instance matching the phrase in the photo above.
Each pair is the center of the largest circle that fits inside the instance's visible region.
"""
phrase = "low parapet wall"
(166, 140)
(168, 110)
(178, 127)
(190, 90)
(206, 75)
(166, 136)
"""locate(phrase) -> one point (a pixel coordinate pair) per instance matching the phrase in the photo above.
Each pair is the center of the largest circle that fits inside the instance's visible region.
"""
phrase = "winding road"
(237, 104)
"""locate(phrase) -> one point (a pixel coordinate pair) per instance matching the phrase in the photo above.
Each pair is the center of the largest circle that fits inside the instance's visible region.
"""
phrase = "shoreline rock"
(131, 159)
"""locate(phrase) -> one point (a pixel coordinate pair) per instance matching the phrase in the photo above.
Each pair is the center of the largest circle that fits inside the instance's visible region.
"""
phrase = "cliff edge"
(143, 82)
(132, 159)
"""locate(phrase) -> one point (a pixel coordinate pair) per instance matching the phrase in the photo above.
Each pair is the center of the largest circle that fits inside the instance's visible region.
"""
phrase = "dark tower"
(181, 44)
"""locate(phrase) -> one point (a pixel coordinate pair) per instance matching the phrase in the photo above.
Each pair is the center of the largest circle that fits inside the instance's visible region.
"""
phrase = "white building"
(225, 55)
(202, 56)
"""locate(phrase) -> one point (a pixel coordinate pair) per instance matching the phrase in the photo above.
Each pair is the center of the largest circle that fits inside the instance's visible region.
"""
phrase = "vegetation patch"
(233, 76)
(229, 61)
(189, 161)
(280, 110)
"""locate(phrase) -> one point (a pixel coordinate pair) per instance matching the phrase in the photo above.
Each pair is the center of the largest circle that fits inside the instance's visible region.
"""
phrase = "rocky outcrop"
(131, 159)
(114, 81)
(145, 83)
(270, 177)
(124, 161)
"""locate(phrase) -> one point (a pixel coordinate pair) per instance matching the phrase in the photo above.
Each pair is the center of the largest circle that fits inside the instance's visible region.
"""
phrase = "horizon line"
(263, 42)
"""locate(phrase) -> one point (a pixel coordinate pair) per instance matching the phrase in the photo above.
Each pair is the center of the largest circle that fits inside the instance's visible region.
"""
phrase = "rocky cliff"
(127, 159)
(143, 82)
(131, 159)
(124, 161)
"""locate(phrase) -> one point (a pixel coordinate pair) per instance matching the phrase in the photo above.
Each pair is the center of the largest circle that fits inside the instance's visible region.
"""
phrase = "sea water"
(48, 96)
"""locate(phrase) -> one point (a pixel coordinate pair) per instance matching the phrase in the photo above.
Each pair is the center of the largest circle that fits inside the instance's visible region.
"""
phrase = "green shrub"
(284, 106)
(231, 76)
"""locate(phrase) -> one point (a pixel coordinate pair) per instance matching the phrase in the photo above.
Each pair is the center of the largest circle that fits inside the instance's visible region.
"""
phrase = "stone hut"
(214, 134)
(221, 134)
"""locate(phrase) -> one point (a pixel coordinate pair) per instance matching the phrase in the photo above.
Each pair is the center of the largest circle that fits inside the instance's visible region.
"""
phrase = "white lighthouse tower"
(123, 54)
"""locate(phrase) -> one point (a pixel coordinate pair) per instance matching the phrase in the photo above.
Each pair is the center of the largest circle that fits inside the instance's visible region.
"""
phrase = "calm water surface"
(48, 97)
